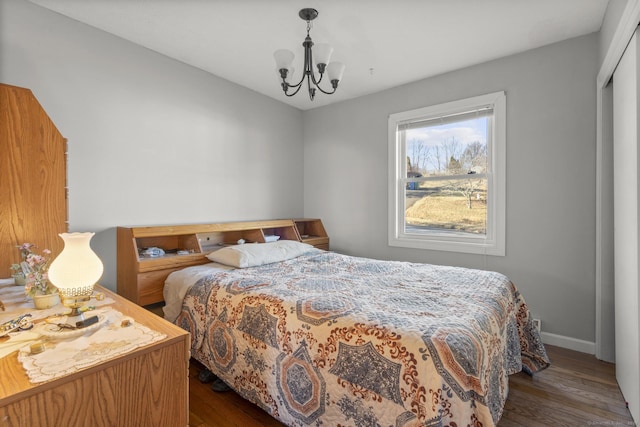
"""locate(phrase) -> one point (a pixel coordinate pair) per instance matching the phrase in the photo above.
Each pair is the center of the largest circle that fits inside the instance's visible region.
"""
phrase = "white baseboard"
(568, 342)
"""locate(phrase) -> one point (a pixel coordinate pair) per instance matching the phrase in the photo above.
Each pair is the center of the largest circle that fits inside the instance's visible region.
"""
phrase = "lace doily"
(65, 356)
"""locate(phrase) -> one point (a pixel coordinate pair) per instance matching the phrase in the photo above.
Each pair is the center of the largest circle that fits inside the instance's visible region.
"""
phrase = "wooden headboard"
(141, 278)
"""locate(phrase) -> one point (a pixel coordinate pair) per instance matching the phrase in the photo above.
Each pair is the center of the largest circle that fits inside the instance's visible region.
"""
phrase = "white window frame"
(493, 242)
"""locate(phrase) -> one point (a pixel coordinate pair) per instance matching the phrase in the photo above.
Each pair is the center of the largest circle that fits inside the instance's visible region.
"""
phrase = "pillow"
(254, 254)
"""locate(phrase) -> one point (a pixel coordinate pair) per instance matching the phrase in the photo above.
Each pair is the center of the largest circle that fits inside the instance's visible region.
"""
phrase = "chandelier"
(284, 60)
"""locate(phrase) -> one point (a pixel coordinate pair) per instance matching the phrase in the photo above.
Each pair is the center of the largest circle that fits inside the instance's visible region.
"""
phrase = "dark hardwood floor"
(577, 390)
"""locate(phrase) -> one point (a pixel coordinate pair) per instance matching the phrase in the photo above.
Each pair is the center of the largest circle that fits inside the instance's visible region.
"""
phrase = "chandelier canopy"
(284, 60)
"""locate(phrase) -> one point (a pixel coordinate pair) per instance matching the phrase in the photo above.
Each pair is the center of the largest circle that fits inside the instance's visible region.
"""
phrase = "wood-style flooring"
(576, 390)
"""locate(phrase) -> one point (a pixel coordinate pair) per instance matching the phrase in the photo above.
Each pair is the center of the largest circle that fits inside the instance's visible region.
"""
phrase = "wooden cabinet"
(147, 387)
(33, 177)
(141, 277)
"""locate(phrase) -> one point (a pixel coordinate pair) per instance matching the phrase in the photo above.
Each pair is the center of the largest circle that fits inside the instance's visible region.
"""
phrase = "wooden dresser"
(146, 387)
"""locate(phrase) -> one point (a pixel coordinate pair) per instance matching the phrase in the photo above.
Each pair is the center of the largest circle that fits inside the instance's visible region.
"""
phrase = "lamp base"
(75, 303)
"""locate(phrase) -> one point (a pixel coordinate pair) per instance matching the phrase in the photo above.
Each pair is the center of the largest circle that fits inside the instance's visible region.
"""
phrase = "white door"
(626, 99)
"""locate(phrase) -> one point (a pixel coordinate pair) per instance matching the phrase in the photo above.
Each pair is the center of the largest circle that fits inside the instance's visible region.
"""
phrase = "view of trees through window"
(446, 180)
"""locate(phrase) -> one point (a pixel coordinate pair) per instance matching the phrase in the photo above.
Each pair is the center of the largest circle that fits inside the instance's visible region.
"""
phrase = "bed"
(319, 338)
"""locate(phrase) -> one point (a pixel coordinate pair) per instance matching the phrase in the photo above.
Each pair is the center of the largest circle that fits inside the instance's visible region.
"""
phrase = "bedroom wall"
(151, 140)
(550, 235)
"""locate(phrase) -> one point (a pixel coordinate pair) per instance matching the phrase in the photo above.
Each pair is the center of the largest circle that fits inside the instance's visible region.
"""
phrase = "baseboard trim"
(568, 342)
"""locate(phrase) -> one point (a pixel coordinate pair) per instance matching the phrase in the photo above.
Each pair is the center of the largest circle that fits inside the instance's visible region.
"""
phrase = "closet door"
(33, 176)
(626, 98)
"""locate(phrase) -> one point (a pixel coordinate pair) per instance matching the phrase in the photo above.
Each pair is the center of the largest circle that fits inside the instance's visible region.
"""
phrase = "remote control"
(87, 322)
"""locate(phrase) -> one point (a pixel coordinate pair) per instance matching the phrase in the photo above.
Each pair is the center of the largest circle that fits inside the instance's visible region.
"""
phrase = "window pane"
(447, 149)
(455, 205)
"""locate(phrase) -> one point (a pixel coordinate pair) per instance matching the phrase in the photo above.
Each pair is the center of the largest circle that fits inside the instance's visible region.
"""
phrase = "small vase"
(19, 279)
(42, 302)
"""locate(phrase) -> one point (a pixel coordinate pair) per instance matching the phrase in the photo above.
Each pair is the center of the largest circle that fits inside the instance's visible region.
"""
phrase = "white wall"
(151, 140)
(550, 176)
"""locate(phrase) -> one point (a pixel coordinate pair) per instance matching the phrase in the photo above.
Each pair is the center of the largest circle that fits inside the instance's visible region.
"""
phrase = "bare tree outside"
(473, 161)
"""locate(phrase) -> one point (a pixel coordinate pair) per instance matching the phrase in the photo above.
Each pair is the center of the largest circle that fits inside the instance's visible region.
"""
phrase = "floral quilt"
(334, 340)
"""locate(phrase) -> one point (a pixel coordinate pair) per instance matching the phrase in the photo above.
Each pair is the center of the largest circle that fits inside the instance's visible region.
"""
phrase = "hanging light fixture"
(284, 60)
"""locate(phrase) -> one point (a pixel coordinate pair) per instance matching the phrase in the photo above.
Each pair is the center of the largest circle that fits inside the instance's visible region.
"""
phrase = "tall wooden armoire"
(33, 177)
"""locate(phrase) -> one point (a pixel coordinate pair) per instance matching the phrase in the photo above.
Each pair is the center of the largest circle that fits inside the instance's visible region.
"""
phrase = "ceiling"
(383, 43)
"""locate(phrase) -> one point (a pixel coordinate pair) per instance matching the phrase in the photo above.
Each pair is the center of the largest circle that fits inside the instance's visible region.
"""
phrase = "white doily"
(65, 356)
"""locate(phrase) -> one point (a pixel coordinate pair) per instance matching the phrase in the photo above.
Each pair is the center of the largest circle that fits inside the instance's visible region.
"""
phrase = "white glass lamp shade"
(322, 53)
(335, 71)
(77, 269)
(284, 59)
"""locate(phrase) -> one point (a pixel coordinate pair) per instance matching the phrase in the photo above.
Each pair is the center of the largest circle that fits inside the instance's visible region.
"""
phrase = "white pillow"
(254, 254)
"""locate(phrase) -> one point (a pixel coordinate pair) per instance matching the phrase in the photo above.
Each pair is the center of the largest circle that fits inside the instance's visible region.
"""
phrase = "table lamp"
(75, 271)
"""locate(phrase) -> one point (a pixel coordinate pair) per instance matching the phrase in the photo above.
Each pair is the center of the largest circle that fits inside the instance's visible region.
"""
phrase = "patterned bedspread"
(333, 340)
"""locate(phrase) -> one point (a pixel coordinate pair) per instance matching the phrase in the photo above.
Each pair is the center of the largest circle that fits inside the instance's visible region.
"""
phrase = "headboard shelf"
(141, 277)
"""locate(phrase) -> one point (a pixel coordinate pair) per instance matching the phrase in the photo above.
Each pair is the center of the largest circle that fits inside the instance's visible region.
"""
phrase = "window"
(447, 176)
